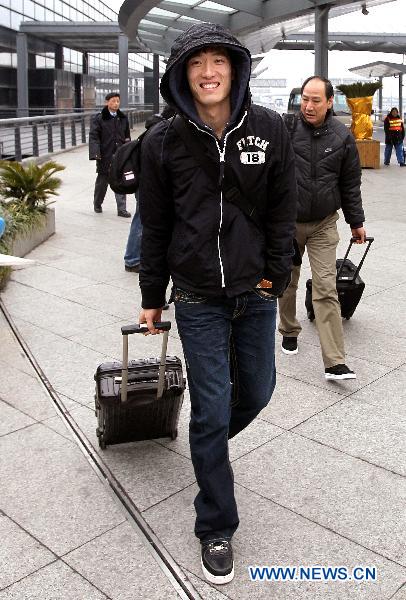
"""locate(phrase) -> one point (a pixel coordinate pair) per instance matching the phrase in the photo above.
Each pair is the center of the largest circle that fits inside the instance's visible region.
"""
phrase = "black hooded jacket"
(106, 134)
(190, 231)
(328, 171)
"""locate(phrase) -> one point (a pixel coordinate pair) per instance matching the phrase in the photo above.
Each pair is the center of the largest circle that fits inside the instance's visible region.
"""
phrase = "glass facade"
(103, 66)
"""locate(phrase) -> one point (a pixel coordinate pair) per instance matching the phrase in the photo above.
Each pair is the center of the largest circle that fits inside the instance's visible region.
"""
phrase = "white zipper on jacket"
(222, 160)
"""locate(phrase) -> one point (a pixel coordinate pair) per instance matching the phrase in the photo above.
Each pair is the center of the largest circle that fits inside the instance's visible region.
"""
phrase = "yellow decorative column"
(361, 125)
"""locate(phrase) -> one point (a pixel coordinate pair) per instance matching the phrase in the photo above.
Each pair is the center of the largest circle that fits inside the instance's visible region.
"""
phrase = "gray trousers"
(321, 239)
(100, 189)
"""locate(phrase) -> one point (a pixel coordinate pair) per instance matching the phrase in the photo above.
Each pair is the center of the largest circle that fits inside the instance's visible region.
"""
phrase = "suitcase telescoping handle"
(352, 241)
(126, 330)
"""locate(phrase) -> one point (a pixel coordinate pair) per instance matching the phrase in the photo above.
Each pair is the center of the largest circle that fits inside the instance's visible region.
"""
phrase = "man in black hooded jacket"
(227, 268)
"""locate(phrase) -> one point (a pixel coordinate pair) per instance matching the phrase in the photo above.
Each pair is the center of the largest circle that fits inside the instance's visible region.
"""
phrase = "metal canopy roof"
(82, 36)
(367, 42)
(259, 24)
(379, 69)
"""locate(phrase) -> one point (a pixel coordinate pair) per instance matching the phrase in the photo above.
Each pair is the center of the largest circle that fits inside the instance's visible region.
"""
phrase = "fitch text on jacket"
(252, 150)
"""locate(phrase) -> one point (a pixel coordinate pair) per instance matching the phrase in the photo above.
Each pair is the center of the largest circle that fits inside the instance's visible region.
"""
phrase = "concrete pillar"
(123, 68)
(380, 92)
(321, 40)
(401, 95)
(155, 83)
(85, 63)
(59, 57)
(22, 75)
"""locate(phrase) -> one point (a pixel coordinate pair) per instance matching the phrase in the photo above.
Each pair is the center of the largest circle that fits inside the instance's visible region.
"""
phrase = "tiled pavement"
(320, 475)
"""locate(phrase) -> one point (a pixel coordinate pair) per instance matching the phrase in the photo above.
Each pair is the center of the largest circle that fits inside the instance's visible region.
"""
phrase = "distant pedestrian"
(394, 136)
(109, 129)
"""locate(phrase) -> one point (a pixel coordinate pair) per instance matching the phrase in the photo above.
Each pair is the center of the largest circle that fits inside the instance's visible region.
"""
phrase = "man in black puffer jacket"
(109, 129)
(227, 267)
(329, 177)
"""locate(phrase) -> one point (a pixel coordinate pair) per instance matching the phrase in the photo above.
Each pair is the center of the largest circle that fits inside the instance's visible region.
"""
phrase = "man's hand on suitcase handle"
(148, 316)
(359, 234)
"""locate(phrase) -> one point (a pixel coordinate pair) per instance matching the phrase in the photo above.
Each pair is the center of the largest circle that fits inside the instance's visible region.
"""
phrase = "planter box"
(24, 244)
(369, 153)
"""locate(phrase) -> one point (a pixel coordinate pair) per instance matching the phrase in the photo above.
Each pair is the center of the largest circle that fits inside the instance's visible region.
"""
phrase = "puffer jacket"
(190, 231)
(328, 171)
(106, 134)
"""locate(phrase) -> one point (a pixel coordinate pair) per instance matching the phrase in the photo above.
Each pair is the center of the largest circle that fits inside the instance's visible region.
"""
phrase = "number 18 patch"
(248, 154)
(252, 158)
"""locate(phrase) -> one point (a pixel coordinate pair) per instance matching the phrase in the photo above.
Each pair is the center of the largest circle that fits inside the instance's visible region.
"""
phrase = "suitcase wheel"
(174, 434)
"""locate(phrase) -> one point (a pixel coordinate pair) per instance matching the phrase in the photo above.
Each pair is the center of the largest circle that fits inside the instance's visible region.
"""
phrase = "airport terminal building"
(62, 78)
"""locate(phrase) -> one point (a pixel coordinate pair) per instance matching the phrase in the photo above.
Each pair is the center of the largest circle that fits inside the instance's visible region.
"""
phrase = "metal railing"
(36, 136)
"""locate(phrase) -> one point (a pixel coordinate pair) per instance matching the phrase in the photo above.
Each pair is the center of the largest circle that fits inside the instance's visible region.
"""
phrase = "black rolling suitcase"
(349, 284)
(139, 399)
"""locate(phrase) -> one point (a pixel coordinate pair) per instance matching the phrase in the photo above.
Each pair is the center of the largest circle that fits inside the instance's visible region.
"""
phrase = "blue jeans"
(206, 327)
(398, 150)
(132, 254)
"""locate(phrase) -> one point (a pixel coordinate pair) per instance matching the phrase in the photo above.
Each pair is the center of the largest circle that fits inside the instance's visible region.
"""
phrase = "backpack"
(290, 120)
(125, 167)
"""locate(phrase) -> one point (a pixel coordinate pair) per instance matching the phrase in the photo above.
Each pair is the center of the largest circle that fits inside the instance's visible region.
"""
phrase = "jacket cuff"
(153, 297)
(279, 284)
(356, 225)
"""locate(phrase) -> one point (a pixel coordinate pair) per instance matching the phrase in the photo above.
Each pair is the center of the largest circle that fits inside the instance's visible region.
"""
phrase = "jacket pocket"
(180, 295)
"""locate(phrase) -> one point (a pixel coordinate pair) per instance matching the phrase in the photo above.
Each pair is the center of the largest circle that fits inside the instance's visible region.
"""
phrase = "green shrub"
(29, 185)
(25, 193)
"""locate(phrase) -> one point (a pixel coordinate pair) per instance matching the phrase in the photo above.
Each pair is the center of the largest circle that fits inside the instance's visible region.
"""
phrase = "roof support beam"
(254, 7)
(166, 21)
(201, 14)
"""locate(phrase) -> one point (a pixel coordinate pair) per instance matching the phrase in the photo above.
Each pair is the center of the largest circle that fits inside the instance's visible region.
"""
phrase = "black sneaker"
(217, 561)
(289, 345)
(339, 372)
(402, 165)
(98, 209)
(133, 269)
(124, 213)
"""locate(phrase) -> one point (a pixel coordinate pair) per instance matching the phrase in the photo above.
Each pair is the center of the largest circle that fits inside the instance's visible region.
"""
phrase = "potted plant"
(359, 98)
(25, 192)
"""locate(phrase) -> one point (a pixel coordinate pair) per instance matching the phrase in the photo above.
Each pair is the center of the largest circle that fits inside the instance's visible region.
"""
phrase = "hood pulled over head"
(174, 84)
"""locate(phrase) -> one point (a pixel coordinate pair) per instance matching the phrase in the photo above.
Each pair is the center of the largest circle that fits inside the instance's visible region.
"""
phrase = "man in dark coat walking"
(328, 175)
(109, 129)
